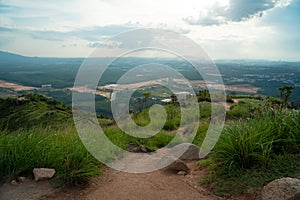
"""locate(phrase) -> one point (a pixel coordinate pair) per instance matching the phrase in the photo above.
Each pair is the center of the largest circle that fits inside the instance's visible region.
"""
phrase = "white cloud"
(235, 11)
(63, 15)
(58, 25)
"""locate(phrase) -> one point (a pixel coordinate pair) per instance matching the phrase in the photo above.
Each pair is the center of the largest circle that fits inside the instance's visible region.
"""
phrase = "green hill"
(33, 110)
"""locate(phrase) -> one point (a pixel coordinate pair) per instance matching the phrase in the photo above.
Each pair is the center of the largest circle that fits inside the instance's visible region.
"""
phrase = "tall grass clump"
(22, 151)
(287, 125)
(254, 151)
(252, 143)
(245, 145)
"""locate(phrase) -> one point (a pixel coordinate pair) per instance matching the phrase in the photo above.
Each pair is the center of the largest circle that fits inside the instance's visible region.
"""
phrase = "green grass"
(243, 181)
(22, 151)
(121, 139)
(173, 116)
(106, 122)
(201, 132)
(244, 145)
(246, 108)
(39, 132)
(205, 109)
(246, 96)
(253, 151)
(172, 122)
(35, 111)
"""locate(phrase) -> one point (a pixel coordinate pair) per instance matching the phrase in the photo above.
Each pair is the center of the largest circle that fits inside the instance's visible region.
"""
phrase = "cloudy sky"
(226, 29)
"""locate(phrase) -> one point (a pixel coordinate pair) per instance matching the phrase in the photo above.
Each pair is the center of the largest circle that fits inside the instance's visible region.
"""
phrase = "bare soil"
(15, 87)
(28, 190)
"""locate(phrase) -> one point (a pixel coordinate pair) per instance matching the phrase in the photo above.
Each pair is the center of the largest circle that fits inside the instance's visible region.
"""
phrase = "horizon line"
(216, 59)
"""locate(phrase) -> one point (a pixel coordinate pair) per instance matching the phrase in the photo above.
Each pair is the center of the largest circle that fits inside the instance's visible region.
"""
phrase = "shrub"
(170, 125)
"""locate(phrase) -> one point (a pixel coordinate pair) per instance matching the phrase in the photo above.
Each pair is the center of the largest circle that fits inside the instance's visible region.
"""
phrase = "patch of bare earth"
(15, 87)
(228, 105)
(28, 190)
(88, 90)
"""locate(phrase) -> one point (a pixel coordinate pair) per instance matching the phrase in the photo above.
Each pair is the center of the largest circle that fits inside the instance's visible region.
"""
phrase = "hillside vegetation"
(36, 131)
(260, 142)
(33, 110)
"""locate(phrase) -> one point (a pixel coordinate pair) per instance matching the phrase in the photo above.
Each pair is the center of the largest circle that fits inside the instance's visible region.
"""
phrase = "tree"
(146, 96)
(203, 95)
(285, 93)
(174, 99)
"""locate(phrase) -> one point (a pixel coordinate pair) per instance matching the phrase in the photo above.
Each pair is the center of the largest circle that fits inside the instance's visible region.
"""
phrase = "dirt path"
(115, 185)
(29, 190)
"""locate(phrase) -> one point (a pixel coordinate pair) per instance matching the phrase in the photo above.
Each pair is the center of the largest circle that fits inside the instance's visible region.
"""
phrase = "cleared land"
(88, 90)
(102, 90)
(246, 88)
(15, 87)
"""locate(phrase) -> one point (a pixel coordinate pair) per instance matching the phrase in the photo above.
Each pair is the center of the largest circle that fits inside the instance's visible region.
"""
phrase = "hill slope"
(9, 57)
(33, 110)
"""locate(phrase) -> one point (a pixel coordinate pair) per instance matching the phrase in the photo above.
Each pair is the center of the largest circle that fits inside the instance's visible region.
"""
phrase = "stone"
(143, 149)
(14, 182)
(173, 164)
(41, 174)
(282, 189)
(133, 148)
(21, 179)
(137, 149)
(191, 153)
(183, 173)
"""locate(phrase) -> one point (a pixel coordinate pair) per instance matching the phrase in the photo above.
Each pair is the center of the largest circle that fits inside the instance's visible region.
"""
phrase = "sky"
(225, 29)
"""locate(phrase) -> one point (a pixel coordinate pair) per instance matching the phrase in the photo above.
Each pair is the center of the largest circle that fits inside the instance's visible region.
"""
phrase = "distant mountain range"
(6, 56)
